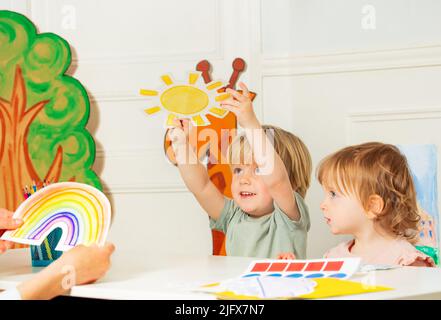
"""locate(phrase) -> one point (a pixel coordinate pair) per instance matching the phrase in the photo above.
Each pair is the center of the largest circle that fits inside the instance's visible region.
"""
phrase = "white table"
(140, 276)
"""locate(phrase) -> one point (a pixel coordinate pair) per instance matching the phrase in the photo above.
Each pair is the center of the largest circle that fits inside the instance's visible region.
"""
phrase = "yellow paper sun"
(192, 100)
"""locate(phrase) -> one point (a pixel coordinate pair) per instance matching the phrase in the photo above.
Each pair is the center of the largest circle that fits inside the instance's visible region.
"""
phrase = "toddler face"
(249, 191)
(344, 214)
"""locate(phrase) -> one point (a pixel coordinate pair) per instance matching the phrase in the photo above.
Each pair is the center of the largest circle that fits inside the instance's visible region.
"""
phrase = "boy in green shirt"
(271, 174)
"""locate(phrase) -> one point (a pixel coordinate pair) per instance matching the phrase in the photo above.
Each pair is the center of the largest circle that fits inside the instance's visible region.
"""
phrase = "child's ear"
(375, 206)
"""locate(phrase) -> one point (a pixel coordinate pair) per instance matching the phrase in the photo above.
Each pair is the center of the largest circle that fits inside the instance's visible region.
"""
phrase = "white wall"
(335, 83)
(317, 73)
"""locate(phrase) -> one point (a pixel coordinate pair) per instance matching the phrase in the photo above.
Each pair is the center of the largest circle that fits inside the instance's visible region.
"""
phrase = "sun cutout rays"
(192, 100)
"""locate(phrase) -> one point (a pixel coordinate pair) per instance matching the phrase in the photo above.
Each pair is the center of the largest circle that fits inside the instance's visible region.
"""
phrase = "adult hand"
(7, 223)
(89, 263)
(79, 265)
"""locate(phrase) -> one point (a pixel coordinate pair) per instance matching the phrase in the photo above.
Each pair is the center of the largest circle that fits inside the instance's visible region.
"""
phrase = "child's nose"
(245, 179)
(323, 206)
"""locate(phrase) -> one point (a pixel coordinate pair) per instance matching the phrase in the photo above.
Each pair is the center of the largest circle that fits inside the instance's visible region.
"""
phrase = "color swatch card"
(293, 279)
(320, 268)
(82, 212)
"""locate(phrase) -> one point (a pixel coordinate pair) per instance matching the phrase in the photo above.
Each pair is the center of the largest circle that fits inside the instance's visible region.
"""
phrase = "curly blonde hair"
(376, 168)
(291, 150)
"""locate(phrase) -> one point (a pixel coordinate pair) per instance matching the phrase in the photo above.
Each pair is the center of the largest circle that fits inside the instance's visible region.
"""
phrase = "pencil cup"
(44, 254)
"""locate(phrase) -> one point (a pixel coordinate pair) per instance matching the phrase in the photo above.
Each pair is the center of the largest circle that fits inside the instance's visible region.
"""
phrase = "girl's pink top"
(399, 252)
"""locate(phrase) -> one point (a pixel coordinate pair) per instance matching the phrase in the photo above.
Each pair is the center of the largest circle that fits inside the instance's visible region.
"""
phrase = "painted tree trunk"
(16, 168)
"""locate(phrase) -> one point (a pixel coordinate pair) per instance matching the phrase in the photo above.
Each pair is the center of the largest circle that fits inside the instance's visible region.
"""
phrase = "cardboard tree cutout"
(43, 113)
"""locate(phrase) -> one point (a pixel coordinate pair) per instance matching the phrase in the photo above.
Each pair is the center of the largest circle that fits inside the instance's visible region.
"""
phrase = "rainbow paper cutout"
(81, 211)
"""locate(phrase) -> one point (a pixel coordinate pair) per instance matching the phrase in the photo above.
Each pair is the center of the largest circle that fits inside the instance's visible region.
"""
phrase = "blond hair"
(376, 168)
(291, 150)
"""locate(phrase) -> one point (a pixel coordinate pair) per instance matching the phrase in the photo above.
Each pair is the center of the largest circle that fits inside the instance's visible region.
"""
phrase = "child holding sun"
(369, 194)
(267, 214)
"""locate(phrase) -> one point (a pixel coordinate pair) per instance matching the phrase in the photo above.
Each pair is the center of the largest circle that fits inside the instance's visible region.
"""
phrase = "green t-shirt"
(266, 236)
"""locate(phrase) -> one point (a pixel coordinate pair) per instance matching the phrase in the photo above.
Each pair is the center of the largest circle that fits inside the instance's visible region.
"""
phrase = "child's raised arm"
(273, 170)
(193, 173)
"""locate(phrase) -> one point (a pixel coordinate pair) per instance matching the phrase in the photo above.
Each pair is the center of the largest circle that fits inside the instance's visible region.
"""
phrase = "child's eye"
(237, 170)
(333, 194)
(257, 171)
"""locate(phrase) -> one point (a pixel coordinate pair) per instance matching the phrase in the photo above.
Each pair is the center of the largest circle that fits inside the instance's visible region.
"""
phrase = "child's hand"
(242, 106)
(179, 133)
(286, 256)
(180, 141)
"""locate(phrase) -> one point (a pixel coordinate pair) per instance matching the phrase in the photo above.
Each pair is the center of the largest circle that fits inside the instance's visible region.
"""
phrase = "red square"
(278, 266)
(314, 266)
(260, 267)
(295, 266)
(333, 266)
